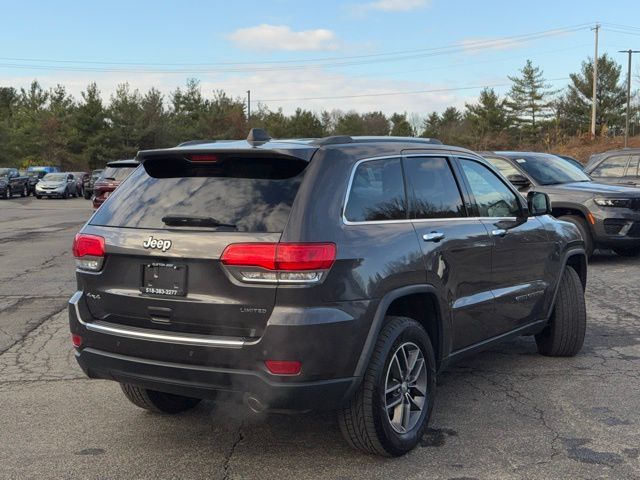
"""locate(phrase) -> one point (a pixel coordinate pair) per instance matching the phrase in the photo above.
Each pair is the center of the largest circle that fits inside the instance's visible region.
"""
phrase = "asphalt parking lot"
(507, 413)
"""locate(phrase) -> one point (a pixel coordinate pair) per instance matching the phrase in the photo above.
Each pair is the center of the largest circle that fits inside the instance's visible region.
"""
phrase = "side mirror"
(518, 180)
(539, 204)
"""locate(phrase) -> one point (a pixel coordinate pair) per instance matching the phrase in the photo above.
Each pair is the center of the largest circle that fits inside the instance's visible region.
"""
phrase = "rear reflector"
(282, 367)
(76, 340)
(281, 256)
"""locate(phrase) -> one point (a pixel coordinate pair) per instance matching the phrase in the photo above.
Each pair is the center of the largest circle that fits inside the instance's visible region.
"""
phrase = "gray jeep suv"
(342, 273)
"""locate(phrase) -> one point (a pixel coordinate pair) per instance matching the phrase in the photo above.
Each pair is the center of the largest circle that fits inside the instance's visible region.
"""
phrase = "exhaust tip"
(255, 405)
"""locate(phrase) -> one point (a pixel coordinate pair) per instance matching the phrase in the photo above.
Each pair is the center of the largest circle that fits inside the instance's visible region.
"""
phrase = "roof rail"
(342, 139)
(194, 142)
(333, 140)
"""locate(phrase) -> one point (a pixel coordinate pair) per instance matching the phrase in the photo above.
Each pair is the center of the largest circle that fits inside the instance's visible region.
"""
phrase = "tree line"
(40, 126)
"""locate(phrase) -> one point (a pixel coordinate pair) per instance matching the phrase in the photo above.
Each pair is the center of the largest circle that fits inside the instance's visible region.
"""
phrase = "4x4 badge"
(151, 242)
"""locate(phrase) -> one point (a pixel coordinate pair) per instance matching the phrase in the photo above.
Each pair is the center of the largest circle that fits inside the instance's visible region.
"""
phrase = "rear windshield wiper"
(108, 178)
(193, 221)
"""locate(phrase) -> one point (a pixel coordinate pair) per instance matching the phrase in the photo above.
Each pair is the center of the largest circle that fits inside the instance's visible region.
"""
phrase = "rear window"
(118, 174)
(239, 194)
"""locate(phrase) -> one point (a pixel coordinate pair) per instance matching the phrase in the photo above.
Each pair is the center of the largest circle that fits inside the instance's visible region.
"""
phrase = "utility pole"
(248, 104)
(626, 122)
(595, 84)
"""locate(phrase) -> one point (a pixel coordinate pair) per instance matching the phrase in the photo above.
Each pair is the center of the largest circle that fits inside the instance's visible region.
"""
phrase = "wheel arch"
(575, 258)
(408, 302)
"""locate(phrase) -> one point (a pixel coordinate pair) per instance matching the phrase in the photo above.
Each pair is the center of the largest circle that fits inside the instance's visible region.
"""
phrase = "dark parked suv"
(618, 167)
(608, 216)
(341, 273)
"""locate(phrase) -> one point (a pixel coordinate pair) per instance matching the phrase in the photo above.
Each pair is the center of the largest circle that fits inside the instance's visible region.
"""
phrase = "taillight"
(280, 262)
(88, 251)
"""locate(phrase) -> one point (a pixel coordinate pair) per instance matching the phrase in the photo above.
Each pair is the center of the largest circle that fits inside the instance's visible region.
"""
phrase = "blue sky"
(292, 53)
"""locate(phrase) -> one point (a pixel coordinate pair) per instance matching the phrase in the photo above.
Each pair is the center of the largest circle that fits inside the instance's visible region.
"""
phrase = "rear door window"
(612, 167)
(233, 194)
(377, 192)
(432, 188)
(116, 173)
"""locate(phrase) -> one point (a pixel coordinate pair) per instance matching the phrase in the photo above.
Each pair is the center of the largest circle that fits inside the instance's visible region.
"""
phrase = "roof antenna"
(257, 137)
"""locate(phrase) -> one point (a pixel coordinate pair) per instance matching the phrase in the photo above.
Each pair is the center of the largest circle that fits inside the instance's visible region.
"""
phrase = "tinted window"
(634, 167)
(493, 197)
(612, 167)
(548, 169)
(251, 194)
(116, 173)
(55, 177)
(432, 188)
(377, 192)
(504, 166)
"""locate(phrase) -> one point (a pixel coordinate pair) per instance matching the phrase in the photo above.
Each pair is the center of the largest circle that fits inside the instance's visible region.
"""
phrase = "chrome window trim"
(345, 221)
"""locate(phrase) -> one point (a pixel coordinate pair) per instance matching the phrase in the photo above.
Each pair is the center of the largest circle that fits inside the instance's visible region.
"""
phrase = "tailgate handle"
(160, 314)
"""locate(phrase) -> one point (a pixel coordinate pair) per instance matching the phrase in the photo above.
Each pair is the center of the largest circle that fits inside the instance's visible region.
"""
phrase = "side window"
(504, 166)
(432, 188)
(634, 167)
(612, 167)
(494, 199)
(377, 192)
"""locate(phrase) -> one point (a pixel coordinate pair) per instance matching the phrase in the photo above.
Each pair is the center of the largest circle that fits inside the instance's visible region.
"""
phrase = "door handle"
(499, 232)
(433, 237)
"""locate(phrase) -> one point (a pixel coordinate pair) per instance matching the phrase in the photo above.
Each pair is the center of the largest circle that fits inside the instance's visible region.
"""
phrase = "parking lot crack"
(226, 466)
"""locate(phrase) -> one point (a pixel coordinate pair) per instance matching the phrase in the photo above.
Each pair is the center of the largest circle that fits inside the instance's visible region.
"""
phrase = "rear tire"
(584, 231)
(158, 402)
(564, 335)
(9, 193)
(373, 421)
(627, 251)
(86, 195)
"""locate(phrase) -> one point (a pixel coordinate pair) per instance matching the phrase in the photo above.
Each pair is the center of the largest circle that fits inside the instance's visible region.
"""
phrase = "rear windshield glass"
(118, 174)
(55, 177)
(233, 194)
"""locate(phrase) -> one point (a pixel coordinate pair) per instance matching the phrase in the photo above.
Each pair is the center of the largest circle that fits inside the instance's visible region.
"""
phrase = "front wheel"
(25, 192)
(86, 194)
(158, 402)
(564, 335)
(581, 223)
(389, 412)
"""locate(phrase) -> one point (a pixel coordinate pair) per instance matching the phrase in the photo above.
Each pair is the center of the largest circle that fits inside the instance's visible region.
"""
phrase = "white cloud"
(474, 46)
(394, 5)
(281, 37)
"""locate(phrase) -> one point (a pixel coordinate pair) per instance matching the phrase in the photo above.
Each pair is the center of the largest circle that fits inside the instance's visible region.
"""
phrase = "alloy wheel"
(406, 387)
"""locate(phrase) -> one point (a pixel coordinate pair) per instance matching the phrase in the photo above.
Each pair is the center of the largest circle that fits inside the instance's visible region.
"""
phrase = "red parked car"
(111, 178)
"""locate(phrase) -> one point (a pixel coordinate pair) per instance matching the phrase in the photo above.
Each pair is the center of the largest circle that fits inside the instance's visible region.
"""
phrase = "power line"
(284, 65)
(384, 94)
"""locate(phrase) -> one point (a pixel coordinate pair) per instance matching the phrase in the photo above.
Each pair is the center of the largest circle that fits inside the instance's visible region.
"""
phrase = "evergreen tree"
(431, 126)
(611, 97)
(376, 123)
(530, 99)
(401, 126)
(488, 119)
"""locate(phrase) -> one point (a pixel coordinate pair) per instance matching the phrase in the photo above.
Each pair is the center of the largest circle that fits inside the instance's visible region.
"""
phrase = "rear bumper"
(212, 383)
(328, 345)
